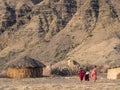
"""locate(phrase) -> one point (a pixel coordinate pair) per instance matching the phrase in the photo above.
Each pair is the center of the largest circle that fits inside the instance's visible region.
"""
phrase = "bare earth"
(58, 83)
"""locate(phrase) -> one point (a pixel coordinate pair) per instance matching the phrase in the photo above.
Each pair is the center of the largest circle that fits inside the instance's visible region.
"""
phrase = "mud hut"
(24, 67)
(113, 73)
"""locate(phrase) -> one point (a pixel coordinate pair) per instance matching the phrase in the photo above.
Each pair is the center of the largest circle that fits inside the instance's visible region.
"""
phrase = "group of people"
(85, 74)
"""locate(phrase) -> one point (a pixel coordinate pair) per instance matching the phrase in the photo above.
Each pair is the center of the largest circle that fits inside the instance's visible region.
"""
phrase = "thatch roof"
(115, 64)
(25, 62)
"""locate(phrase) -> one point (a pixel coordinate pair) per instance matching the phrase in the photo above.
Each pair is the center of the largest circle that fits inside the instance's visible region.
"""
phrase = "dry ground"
(58, 83)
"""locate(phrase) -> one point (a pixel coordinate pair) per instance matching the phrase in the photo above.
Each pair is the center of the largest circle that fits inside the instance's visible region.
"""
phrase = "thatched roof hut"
(24, 67)
(113, 73)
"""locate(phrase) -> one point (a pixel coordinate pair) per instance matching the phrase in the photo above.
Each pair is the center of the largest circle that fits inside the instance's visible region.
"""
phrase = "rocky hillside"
(87, 31)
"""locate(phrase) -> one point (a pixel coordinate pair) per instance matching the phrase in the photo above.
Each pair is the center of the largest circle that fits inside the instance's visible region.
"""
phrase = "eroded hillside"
(87, 31)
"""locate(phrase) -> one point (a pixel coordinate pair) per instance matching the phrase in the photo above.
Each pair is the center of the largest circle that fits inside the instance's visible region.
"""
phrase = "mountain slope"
(54, 30)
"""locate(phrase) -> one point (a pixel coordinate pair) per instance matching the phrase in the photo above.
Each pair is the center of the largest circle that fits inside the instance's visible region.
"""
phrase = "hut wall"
(24, 72)
(113, 73)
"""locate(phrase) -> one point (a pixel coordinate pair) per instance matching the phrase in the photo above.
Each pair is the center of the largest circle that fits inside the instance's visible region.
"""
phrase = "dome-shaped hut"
(24, 67)
(113, 72)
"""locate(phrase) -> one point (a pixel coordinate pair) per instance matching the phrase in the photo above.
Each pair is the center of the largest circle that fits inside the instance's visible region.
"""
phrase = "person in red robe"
(81, 74)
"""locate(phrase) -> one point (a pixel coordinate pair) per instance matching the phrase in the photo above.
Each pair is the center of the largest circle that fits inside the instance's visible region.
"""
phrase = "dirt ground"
(59, 83)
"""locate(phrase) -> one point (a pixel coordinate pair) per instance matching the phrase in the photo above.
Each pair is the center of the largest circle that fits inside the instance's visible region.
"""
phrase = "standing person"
(81, 74)
(87, 72)
(94, 73)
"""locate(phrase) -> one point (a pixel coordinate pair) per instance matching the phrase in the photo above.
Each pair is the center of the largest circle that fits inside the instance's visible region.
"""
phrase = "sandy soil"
(58, 83)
